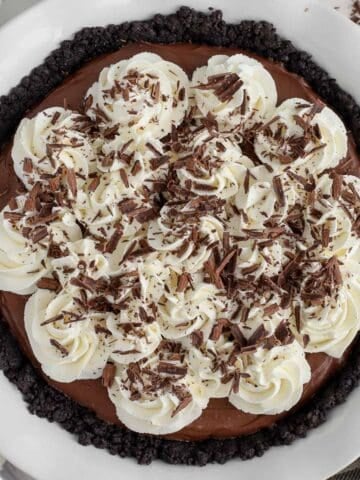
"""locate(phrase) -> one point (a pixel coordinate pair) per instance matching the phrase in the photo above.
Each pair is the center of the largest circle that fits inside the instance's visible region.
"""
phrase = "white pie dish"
(37, 446)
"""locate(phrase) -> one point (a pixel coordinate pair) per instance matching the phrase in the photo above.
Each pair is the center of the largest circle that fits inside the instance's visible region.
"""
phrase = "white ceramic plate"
(49, 453)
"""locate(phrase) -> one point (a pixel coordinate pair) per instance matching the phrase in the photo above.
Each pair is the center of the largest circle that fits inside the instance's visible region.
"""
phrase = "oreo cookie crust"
(184, 26)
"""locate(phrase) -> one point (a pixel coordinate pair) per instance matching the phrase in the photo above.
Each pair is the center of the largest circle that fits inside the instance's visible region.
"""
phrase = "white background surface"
(46, 451)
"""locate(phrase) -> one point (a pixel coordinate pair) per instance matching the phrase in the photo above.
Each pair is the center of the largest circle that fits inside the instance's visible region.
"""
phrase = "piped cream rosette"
(235, 90)
(215, 165)
(24, 245)
(143, 96)
(308, 138)
(177, 399)
(272, 380)
(54, 138)
(183, 237)
(330, 322)
(68, 342)
(331, 219)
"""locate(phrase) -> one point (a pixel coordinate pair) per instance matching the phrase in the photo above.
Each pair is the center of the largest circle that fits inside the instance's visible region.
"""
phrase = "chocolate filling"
(220, 419)
(254, 444)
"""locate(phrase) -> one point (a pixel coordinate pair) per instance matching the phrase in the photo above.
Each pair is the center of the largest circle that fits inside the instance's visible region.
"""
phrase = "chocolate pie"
(179, 242)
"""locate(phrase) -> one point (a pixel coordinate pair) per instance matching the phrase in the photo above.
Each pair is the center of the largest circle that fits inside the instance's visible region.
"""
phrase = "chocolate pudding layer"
(220, 419)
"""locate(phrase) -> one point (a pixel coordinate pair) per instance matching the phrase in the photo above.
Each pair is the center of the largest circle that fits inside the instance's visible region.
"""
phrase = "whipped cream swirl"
(24, 244)
(260, 311)
(214, 166)
(67, 342)
(308, 138)
(181, 313)
(143, 96)
(237, 90)
(260, 197)
(178, 402)
(136, 332)
(271, 381)
(81, 258)
(109, 209)
(210, 362)
(254, 260)
(138, 164)
(183, 237)
(331, 324)
(331, 221)
(155, 277)
(54, 138)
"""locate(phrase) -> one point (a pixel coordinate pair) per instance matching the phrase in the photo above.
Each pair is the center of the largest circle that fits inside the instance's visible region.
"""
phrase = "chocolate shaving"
(247, 181)
(131, 351)
(336, 187)
(155, 92)
(283, 333)
(49, 284)
(127, 206)
(12, 204)
(111, 245)
(306, 340)
(59, 347)
(183, 282)
(279, 192)
(85, 282)
(108, 160)
(144, 317)
(38, 234)
(297, 314)
(143, 214)
(13, 216)
(28, 165)
(250, 269)
(54, 183)
(236, 382)
(33, 197)
(183, 404)
(99, 329)
(225, 261)
(111, 132)
(55, 251)
(197, 338)
(244, 103)
(325, 236)
(171, 369)
(157, 162)
(71, 180)
(238, 336)
(224, 85)
(124, 177)
(259, 334)
(55, 118)
(87, 104)
(269, 310)
(108, 375)
(93, 185)
(136, 168)
(217, 330)
(210, 269)
(181, 94)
